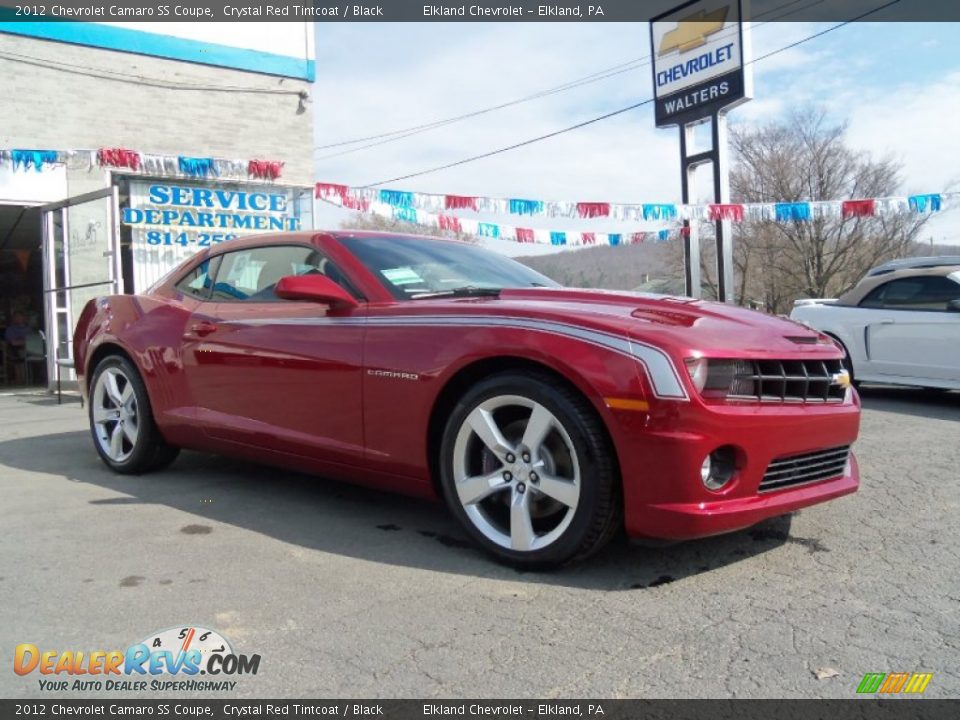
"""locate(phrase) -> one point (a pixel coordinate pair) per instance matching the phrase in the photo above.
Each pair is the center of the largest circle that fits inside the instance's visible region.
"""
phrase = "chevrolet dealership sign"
(699, 52)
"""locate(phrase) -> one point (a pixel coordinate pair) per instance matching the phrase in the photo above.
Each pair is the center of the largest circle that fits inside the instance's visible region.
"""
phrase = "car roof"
(915, 262)
(873, 280)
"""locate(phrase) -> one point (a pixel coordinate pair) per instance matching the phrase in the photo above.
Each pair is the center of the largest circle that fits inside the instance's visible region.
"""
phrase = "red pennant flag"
(524, 235)
(637, 238)
(449, 222)
(593, 209)
(326, 190)
(119, 158)
(264, 169)
(727, 212)
(588, 238)
(858, 208)
(459, 202)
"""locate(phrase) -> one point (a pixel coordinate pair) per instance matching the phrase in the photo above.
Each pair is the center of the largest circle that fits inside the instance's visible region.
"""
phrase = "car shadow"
(352, 521)
(938, 404)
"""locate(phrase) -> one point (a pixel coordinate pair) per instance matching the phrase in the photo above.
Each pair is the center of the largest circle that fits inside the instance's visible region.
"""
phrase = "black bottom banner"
(865, 709)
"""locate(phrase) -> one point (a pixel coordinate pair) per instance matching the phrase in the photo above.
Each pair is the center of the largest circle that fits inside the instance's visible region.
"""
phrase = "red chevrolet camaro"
(546, 417)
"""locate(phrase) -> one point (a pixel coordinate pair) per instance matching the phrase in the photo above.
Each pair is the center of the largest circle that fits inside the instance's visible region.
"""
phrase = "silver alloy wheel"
(510, 479)
(115, 419)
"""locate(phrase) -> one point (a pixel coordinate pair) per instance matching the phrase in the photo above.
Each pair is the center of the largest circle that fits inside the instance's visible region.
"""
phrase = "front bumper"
(660, 456)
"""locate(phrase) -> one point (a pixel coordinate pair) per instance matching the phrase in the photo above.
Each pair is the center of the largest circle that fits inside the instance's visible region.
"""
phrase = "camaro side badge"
(393, 374)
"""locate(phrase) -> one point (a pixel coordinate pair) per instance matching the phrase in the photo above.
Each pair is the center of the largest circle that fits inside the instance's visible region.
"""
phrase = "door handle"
(203, 328)
(886, 321)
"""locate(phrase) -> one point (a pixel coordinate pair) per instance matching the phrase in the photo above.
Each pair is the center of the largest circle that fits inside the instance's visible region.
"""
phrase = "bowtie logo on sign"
(692, 31)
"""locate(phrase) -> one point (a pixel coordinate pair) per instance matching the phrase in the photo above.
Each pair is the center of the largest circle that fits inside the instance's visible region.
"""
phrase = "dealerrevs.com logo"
(168, 660)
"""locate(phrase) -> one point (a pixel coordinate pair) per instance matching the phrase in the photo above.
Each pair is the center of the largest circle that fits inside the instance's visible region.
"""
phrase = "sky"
(897, 85)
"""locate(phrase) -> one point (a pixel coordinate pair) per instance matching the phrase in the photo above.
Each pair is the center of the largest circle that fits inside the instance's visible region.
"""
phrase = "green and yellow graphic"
(890, 683)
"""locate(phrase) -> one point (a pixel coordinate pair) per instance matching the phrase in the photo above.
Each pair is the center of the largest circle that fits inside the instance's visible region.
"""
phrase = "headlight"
(698, 367)
(712, 378)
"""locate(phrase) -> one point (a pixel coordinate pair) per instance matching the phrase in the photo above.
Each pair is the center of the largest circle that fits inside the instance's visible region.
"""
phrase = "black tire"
(598, 514)
(150, 451)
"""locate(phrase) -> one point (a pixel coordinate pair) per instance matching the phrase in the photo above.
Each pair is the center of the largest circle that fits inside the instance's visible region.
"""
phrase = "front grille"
(809, 467)
(787, 381)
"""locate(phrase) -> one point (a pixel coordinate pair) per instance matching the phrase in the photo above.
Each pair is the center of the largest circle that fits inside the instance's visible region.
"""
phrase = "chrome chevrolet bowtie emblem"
(841, 378)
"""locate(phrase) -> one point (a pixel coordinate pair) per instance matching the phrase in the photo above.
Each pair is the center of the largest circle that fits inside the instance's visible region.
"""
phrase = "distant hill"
(648, 267)
(651, 267)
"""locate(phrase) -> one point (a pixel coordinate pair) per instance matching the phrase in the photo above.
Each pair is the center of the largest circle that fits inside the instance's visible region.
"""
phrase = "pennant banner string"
(787, 211)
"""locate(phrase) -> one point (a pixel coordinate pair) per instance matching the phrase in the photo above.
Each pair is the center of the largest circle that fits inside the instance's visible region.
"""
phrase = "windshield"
(410, 267)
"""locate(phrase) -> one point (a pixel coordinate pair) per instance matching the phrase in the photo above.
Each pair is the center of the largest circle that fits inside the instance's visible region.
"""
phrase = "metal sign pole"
(721, 194)
(691, 234)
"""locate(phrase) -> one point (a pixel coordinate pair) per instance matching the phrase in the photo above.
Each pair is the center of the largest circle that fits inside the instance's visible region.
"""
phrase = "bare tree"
(807, 158)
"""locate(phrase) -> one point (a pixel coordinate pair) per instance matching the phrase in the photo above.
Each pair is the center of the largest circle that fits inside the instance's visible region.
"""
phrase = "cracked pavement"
(347, 592)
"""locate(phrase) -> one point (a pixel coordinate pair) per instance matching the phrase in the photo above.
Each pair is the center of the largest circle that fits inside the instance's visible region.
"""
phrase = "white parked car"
(899, 325)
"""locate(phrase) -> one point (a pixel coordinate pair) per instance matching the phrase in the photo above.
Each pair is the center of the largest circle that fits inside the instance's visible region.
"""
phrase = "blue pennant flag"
(659, 212)
(488, 230)
(613, 238)
(663, 235)
(558, 238)
(925, 203)
(397, 198)
(35, 158)
(796, 211)
(526, 207)
(407, 214)
(196, 167)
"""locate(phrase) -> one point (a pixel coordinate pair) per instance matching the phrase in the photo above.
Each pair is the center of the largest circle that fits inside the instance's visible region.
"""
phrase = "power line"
(603, 74)
(605, 116)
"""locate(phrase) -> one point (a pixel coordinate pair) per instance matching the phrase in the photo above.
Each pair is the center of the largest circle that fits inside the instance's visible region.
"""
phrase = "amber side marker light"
(627, 404)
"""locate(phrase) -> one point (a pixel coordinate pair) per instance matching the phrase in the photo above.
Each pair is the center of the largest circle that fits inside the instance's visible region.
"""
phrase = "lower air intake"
(807, 468)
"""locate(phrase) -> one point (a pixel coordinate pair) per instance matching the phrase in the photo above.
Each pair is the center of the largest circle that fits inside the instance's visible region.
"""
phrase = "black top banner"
(446, 11)
(866, 709)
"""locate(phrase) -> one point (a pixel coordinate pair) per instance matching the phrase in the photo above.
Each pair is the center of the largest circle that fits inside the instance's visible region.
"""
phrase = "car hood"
(686, 326)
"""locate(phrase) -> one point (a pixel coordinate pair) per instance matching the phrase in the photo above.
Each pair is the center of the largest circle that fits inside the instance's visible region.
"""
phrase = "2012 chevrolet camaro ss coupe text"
(546, 417)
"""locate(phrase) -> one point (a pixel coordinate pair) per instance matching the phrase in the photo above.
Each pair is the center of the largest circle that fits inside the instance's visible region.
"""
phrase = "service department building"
(126, 147)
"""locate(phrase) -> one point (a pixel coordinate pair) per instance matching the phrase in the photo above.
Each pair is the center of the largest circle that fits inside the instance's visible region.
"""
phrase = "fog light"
(718, 468)
(706, 469)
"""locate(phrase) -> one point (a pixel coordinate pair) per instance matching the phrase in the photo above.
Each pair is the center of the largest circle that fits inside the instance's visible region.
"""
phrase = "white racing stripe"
(658, 365)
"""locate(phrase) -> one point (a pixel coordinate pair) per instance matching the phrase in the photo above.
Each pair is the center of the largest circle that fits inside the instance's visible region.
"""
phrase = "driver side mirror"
(953, 305)
(315, 288)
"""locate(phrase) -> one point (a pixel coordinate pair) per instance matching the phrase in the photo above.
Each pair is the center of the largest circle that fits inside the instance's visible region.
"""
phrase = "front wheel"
(121, 420)
(528, 470)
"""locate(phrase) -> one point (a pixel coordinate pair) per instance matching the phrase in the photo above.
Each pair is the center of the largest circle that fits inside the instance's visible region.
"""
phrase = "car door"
(912, 332)
(279, 374)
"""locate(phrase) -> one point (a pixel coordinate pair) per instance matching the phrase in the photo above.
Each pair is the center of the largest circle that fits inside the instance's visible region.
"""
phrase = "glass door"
(81, 260)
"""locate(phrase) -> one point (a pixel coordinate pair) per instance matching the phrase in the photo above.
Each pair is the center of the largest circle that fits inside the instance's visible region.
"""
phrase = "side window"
(252, 274)
(929, 292)
(199, 282)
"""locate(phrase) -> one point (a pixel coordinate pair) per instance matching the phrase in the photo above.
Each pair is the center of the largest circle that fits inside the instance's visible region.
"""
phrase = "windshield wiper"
(466, 291)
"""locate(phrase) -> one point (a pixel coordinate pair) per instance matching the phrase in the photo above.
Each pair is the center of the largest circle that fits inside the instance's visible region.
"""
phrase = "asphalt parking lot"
(346, 592)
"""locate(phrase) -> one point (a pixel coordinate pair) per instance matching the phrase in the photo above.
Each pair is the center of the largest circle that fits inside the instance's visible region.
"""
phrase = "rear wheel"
(528, 470)
(121, 420)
